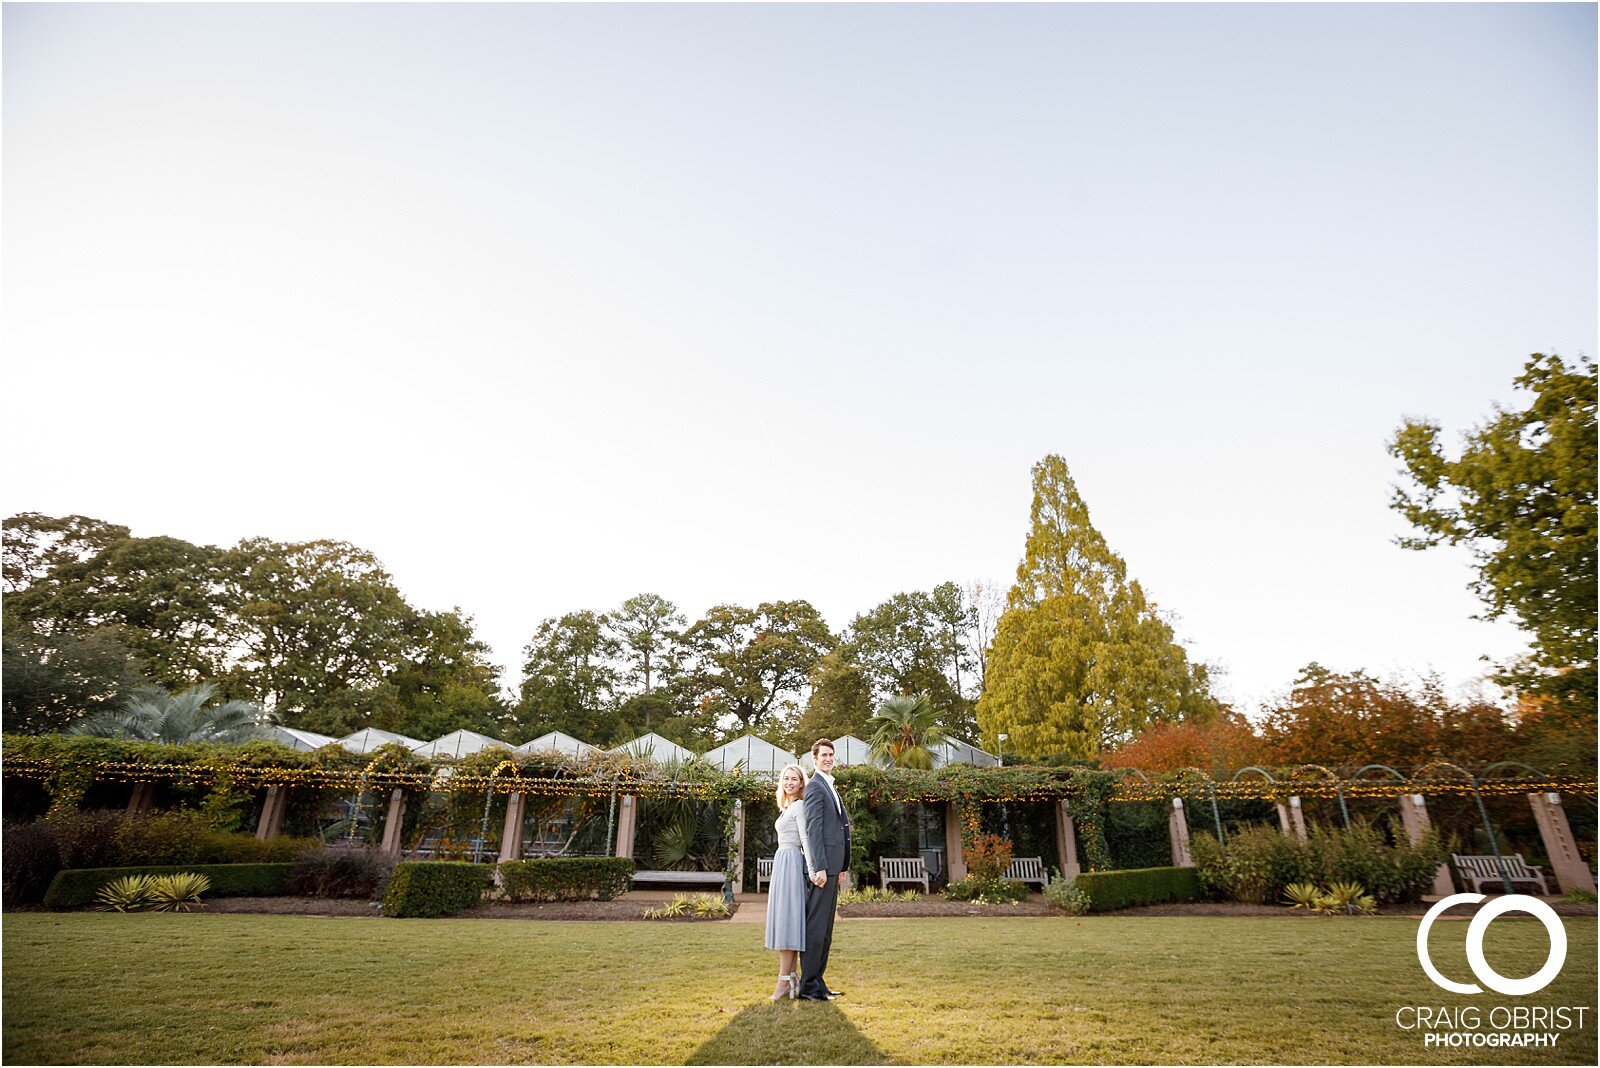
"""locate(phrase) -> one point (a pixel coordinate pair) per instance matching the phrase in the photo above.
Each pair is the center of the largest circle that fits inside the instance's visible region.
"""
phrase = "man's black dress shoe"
(835, 994)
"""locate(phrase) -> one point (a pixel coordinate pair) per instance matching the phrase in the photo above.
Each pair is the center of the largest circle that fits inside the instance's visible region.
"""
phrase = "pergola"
(652, 766)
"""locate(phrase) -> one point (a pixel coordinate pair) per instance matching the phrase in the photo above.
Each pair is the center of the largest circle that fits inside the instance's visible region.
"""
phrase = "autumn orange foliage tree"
(1333, 718)
(1225, 741)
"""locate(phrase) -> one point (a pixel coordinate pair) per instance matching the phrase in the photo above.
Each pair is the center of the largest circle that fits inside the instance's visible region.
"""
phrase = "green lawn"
(85, 987)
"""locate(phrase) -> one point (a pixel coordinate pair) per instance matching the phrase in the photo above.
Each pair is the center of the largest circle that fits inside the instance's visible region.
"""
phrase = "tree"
(1080, 661)
(745, 668)
(569, 680)
(1521, 498)
(904, 731)
(52, 680)
(314, 625)
(1333, 718)
(444, 681)
(987, 600)
(151, 714)
(1224, 742)
(911, 643)
(840, 701)
(162, 596)
(35, 545)
(645, 626)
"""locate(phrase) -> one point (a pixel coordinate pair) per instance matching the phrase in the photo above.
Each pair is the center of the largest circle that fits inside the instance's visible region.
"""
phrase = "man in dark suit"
(828, 829)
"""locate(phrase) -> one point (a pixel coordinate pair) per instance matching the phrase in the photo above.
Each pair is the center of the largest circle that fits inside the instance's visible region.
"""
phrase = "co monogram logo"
(1475, 930)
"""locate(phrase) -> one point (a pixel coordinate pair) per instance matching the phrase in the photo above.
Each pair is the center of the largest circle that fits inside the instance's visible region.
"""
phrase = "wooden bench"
(1028, 870)
(1486, 869)
(902, 870)
(764, 872)
(713, 880)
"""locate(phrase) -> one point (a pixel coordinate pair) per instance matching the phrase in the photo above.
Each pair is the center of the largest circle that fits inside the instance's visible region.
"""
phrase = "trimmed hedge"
(567, 878)
(435, 888)
(76, 887)
(1108, 890)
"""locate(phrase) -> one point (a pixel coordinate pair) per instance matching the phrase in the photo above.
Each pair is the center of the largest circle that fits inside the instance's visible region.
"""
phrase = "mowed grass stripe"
(88, 988)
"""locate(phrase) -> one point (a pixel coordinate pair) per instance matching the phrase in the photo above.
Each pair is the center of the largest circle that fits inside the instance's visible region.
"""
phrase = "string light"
(964, 785)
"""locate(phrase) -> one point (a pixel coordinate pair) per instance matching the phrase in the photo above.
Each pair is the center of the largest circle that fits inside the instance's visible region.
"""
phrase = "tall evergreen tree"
(1081, 660)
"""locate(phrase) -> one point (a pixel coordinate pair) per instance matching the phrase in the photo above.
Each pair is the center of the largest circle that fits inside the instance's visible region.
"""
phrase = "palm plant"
(904, 732)
(151, 714)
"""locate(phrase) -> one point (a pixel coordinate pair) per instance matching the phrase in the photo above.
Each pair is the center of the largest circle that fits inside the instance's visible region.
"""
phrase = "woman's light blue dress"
(791, 870)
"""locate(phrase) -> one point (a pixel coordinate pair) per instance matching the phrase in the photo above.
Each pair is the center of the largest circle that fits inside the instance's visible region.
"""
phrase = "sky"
(550, 305)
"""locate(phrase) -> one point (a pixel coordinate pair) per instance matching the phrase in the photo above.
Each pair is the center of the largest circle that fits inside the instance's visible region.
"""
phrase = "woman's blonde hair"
(783, 800)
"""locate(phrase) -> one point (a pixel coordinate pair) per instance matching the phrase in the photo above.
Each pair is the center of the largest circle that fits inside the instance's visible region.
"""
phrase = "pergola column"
(143, 797)
(1178, 832)
(393, 822)
(1292, 818)
(271, 821)
(955, 860)
(1066, 842)
(627, 820)
(1414, 816)
(1565, 861)
(511, 834)
(738, 847)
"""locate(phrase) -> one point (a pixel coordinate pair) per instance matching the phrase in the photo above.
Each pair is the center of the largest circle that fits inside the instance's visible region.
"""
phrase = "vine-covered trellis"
(66, 766)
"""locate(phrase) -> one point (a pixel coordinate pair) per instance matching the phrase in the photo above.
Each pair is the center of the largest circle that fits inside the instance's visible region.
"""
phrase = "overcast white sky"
(550, 305)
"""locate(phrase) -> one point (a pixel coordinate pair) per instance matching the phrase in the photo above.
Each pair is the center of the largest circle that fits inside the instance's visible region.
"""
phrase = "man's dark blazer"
(827, 827)
(828, 836)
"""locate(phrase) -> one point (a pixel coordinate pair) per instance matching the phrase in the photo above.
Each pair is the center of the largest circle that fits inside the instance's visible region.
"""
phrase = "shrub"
(993, 892)
(1103, 891)
(1361, 854)
(1068, 896)
(106, 838)
(178, 892)
(683, 906)
(77, 887)
(567, 878)
(988, 858)
(85, 839)
(435, 888)
(1259, 863)
(341, 871)
(1254, 867)
(1580, 896)
(31, 860)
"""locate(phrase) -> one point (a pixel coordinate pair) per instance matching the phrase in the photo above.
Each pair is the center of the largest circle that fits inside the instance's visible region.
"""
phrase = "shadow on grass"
(789, 1032)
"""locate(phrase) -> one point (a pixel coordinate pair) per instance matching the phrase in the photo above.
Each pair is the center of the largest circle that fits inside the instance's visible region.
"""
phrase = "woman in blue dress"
(791, 870)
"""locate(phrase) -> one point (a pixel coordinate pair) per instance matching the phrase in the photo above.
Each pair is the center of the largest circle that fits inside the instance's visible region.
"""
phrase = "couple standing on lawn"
(810, 866)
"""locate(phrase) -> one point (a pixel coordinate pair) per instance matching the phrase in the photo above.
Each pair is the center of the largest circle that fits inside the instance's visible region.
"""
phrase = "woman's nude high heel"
(788, 991)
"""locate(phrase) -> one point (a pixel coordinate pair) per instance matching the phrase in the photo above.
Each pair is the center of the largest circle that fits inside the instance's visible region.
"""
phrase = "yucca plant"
(1302, 896)
(1348, 899)
(678, 906)
(124, 894)
(868, 894)
(179, 892)
(709, 905)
